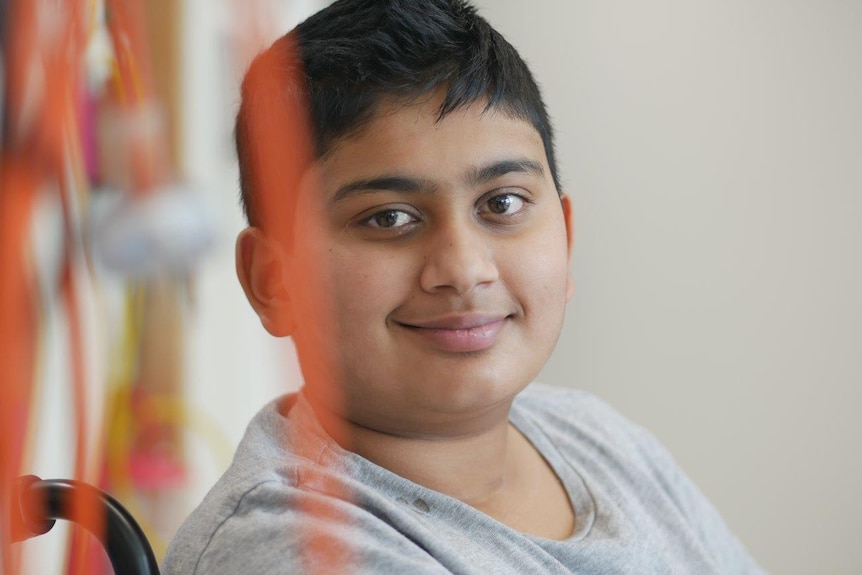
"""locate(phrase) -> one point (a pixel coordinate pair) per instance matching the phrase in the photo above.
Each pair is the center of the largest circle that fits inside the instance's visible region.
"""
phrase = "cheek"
(541, 266)
(540, 278)
(366, 287)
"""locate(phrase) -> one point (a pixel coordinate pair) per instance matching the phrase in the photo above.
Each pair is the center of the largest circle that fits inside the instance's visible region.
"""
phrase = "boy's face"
(439, 252)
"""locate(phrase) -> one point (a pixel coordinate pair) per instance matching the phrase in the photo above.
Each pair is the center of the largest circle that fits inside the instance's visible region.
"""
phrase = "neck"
(474, 468)
(477, 465)
(491, 467)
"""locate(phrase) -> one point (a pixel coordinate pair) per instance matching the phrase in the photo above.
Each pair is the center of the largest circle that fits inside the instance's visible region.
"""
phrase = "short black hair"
(339, 65)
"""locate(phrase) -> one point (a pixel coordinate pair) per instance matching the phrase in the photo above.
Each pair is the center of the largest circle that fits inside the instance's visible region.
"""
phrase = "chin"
(471, 393)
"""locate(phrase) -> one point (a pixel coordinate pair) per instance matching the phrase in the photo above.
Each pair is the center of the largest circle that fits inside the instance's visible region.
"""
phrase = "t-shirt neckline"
(580, 498)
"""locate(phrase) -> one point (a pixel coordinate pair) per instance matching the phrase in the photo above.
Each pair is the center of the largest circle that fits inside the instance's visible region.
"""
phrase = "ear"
(570, 238)
(260, 267)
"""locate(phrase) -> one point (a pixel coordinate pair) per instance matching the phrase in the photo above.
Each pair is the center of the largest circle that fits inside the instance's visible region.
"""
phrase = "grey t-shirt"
(294, 502)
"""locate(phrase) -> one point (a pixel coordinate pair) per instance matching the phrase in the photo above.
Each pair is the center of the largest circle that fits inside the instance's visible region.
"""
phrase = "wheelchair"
(38, 503)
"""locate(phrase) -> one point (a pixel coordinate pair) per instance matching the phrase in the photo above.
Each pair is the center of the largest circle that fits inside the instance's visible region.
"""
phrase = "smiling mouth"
(460, 334)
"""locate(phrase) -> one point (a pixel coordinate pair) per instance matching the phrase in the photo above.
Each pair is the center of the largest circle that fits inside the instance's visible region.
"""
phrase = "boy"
(419, 259)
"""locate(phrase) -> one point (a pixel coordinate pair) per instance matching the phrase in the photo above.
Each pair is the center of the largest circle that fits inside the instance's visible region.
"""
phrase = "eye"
(389, 219)
(505, 204)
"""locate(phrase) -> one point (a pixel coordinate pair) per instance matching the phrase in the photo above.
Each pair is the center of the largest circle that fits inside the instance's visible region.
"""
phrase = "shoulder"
(559, 410)
(284, 508)
(608, 449)
(625, 466)
(578, 420)
(290, 526)
(271, 527)
(245, 485)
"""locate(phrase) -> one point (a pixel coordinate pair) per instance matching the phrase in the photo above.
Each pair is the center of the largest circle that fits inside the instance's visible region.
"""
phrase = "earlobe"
(260, 268)
(570, 238)
(567, 214)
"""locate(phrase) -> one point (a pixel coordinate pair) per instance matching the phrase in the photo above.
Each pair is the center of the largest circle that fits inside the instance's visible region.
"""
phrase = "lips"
(459, 333)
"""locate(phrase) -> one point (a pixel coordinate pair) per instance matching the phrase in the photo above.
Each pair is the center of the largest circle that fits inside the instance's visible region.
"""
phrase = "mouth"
(459, 333)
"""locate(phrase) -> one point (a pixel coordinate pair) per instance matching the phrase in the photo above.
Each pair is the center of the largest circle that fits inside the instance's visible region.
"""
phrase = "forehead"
(412, 140)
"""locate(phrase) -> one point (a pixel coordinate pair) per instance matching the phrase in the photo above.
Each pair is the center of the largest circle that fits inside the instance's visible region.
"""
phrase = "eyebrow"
(475, 177)
(384, 184)
(485, 174)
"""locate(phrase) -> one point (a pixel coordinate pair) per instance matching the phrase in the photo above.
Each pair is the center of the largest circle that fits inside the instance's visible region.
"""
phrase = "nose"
(458, 258)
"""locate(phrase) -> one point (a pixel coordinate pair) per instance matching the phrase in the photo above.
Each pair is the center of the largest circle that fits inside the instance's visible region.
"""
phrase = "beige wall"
(714, 153)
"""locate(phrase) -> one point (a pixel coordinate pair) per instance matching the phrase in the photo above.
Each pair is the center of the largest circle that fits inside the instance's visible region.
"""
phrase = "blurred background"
(713, 151)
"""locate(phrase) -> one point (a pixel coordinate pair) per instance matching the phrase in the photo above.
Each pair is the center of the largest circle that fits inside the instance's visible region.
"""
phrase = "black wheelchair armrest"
(38, 503)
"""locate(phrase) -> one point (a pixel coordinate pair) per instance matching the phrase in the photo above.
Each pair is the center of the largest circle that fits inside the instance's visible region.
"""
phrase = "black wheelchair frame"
(38, 503)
